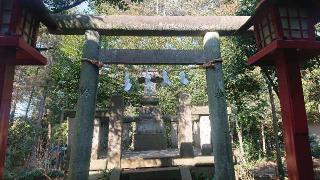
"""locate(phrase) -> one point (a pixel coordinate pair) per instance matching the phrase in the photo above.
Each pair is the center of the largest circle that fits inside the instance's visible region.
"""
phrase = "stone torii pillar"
(222, 150)
(81, 145)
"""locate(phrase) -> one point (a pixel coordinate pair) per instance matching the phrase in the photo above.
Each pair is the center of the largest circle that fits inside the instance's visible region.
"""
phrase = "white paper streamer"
(183, 78)
(127, 82)
(166, 80)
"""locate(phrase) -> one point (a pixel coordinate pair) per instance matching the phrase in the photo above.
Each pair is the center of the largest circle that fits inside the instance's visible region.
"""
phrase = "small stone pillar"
(205, 135)
(115, 133)
(126, 141)
(196, 134)
(174, 134)
(185, 136)
(70, 139)
(95, 139)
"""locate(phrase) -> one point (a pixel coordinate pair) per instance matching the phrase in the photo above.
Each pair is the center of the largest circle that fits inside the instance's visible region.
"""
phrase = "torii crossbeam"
(148, 25)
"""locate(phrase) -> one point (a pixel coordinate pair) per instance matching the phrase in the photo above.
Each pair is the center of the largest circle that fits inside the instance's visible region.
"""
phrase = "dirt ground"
(268, 170)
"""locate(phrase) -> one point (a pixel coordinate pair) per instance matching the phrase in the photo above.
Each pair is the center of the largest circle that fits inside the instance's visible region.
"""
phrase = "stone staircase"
(164, 173)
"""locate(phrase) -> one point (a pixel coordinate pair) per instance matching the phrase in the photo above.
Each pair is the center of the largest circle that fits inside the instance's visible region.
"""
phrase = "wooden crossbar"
(148, 25)
(140, 57)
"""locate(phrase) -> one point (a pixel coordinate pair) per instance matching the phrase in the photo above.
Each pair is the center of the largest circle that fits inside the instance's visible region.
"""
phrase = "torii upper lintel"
(148, 25)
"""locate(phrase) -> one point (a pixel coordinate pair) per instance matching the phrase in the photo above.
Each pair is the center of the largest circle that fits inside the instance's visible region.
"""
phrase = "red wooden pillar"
(298, 155)
(6, 84)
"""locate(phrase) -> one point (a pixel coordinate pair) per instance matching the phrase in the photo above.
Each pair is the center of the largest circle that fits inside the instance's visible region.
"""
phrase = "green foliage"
(64, 74)
(60, 133)
(55, 173)
(105, 175)
(315, 146)
(58, 6)
(20, 143)
(247, 7)
(35, 174)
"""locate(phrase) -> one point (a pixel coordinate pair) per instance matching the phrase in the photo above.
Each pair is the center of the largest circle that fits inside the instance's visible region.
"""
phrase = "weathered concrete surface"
(115, 132)
(200, 110)
(166, 162)
(98, 164)
(185, 136)
(162, 158)
(148, 25)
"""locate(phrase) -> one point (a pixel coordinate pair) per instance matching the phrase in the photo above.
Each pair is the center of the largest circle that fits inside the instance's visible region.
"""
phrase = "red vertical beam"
(298, 156)
(6, 85)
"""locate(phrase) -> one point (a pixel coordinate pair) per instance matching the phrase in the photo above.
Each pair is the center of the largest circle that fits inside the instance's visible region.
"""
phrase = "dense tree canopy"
(42, 94)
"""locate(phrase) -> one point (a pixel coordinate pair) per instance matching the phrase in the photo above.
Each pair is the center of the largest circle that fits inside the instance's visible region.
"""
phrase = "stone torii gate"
(94, 26)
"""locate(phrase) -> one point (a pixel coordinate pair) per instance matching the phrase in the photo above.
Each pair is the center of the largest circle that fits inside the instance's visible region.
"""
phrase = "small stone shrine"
(150, 134)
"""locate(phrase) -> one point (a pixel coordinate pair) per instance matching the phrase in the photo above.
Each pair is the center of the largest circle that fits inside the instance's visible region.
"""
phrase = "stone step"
(165, 173)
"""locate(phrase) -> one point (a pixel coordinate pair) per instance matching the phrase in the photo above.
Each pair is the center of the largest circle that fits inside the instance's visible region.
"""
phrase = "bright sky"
(83, 7)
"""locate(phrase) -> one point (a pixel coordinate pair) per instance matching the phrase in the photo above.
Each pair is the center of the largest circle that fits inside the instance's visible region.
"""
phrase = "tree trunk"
(240, 139)
(31, 96)
(275, 132)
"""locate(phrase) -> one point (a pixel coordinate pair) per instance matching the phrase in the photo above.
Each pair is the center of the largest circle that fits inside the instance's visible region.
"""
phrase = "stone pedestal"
(150, 132)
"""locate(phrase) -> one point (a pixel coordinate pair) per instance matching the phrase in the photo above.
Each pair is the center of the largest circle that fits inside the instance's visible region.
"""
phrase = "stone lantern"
(286, 35)
(19, 24)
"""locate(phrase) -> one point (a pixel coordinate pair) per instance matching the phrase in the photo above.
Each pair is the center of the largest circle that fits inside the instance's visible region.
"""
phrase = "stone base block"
(146, 142)
(186, 150)
(206, 150)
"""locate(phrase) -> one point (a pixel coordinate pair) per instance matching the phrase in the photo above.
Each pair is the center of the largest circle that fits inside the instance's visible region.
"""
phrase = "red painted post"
(6, 85)
(294, 116)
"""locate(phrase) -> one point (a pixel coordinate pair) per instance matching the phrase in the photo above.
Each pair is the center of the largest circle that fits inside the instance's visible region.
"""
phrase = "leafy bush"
(55, 174)
(20, 143)
(36, 174)
(315, 146)
(105, 175)
(60, 133)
